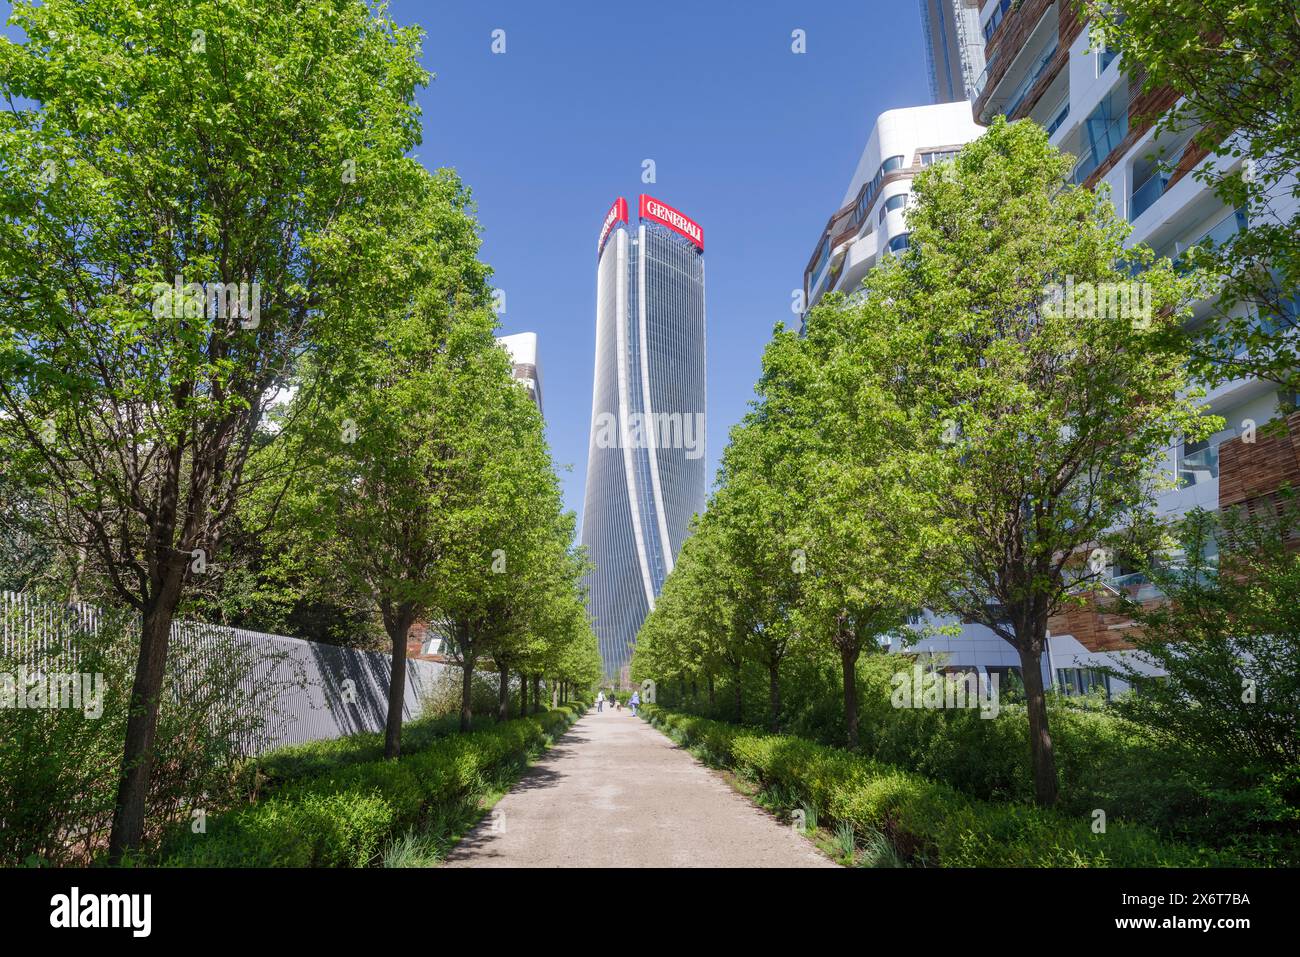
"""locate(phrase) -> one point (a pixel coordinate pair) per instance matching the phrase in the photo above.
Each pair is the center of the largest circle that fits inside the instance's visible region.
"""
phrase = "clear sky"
(753, 141)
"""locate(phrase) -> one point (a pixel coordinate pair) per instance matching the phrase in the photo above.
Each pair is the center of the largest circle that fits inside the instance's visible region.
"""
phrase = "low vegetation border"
(333, 804)
(901, 818)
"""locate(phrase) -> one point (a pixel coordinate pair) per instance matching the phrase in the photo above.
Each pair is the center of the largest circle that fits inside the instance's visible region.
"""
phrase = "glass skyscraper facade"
(646, 462)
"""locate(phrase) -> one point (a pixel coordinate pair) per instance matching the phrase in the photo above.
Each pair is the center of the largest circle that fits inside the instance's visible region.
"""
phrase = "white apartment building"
(869, 223)
(522, 349)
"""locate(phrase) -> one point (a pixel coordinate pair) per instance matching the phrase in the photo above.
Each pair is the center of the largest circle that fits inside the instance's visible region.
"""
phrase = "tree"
(166, 150)
(869, 526)
(1049, 400)
(756, 526)
(1233, 66)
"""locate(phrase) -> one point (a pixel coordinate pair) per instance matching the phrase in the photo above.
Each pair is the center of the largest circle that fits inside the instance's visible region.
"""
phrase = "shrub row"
(1102, 761)
(293, 762)
(343, 815)
(926, 822)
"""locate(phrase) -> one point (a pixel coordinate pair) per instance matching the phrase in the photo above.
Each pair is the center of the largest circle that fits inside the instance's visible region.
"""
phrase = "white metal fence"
(320, 691)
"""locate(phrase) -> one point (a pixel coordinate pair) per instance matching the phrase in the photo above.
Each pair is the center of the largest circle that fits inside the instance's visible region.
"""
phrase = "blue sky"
(753, 141)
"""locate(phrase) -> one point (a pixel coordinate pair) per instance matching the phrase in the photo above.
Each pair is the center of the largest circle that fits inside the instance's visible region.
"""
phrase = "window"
(937, 156)
(1076, 681)
(898, 243)
(869, 192)
(1105, 57)
(1011, 686)
(891, 204)
(999, 12)
(822, 255)
(1198, 463)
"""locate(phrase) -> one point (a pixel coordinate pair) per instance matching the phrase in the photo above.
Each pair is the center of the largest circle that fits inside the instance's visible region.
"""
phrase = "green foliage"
(923, 822)
(1103, 761)
(345, 816)
(59, 767)
(1225, 643)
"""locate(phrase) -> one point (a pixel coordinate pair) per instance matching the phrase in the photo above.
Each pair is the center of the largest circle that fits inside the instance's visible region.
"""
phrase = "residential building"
(1043, 66)
(522, 347)
(870, 223)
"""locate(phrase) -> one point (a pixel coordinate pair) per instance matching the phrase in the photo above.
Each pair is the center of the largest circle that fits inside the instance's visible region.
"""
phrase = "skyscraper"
(954, 48)
(645, 464)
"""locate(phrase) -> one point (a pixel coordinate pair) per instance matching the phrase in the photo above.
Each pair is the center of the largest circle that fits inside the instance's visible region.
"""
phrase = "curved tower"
(645, 461)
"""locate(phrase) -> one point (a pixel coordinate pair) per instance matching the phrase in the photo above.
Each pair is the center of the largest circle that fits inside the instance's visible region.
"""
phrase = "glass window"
(894, 202)
(1105, 57)
(898, 243)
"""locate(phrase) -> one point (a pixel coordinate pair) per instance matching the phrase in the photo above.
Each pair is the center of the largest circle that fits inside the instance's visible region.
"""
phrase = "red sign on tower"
(617, 214)
(665, 215)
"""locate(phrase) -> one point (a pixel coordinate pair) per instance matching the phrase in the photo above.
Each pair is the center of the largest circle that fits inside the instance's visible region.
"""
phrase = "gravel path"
(614, 792)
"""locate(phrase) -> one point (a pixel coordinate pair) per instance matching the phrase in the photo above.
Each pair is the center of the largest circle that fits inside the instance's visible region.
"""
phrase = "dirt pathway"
(614, 792)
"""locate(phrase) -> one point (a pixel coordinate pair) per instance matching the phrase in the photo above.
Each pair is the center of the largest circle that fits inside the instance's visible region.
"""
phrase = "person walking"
(635, 700)
(600, 701)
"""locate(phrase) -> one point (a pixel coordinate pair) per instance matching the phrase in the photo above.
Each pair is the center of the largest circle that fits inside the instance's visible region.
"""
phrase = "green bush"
(343, 816)
(926, 822)
(1103, 762)
(59, 767)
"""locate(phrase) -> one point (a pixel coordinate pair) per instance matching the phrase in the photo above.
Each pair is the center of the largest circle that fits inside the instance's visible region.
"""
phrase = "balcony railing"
(1036, 71)
(1218, 234)
(1102, 147)
(1058, 115)
(1145, 195)
(1136, 586)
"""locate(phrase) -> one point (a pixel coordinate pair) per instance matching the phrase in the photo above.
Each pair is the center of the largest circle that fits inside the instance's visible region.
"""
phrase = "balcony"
(1144, 196)
(1035, 73)
(1217, 235)
(1058, 116)
(1103, 144)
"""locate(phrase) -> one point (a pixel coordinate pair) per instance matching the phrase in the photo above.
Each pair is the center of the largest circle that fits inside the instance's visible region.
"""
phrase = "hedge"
(926, 822)
(343, 814)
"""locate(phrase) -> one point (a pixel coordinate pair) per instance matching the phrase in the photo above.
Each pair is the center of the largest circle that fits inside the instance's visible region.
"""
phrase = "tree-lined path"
(615, 792)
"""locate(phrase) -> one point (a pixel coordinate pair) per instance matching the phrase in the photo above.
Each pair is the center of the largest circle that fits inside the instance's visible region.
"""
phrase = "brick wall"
(1249, 472)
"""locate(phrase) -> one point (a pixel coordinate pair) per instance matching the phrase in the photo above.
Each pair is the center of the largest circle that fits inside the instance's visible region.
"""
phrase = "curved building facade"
(645, 463)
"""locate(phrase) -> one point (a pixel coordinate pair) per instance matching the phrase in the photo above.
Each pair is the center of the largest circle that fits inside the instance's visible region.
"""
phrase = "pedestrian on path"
(636, 700)
(600, 701)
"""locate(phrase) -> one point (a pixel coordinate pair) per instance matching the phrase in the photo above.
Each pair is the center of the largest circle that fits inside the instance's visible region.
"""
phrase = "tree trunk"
(537, 694)
(523, 695)
(712, 701)
(555, 694)
(466, 690)
(774, 695)
(396, 696)
(142, 722)
(503, 694)
(1040, 738)
(737, 694)
(849, 663)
